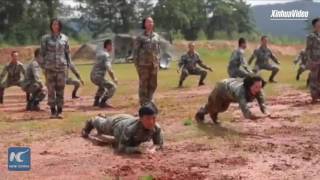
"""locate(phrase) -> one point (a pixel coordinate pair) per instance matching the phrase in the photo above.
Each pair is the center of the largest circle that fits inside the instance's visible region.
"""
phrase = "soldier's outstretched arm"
(68, 54)
(274, 59)
(136, 49)
(204, 66)
(75, 72)
(158, 138)
(113, 77)
(243, 104)
(123, 144)
(261, 102)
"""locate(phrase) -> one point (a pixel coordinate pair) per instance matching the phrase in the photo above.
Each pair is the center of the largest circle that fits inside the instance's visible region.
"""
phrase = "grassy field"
(167, 81)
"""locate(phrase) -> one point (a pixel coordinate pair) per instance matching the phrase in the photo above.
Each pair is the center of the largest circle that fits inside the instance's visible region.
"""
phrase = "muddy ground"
(283, 146)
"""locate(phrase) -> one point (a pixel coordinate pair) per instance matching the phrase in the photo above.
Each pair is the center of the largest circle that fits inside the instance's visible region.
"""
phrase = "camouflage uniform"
(55, 52)
(188, 63)
(13, 72)
(106, 88)
(147, 58)
(33, 85)
(263, 54)
(238, 66)
(74, 82)
(127, 130)
(226, 92)
(302, 61)
(313, 63)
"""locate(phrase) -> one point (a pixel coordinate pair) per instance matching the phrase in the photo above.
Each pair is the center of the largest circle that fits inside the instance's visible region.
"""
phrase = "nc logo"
(19, 159)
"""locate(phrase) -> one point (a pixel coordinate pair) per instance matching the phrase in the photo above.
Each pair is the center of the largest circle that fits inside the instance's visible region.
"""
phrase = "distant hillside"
(297, 29)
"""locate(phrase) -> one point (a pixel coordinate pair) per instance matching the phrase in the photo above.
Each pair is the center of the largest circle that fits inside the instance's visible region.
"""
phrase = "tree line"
(25, 21)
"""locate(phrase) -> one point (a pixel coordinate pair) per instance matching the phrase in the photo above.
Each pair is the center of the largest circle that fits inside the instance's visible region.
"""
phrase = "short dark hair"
(144, 21)
(241, 41)
(14, 51)
(107, 42)
(146, 111)
(263, 37)
(315, 20)
(250, 80)
(59, 22)
(37, 52)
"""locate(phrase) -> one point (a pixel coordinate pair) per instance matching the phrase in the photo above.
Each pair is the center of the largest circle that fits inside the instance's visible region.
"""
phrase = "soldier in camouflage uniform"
(106, 88)
(12, 72)
(128, 131)
(32, 83)
(146, 57)
(74, 82)
(55, 52)
(313, 59)
(231, 90)
(263, 54)
(188, 64)
(238, 67)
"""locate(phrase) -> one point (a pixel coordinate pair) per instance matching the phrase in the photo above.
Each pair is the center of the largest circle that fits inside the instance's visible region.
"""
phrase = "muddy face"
(317, 27)
(55, 27)
(14, 57)
(256, 88)
(149, 24)
(148, 121)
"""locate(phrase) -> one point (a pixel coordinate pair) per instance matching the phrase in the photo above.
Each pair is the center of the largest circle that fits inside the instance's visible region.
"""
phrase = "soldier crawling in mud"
(12, 72)
(238, 67)
(106, 88)
(127, 132)
(188, 65)
(231, 90)
(313, 60)
(263, 54)
(32, 83)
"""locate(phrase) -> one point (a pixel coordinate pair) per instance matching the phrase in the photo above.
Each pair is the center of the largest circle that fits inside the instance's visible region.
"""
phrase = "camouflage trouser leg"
(106, 89)
(148, 81)
(74, 82)
(103, 125)
(300, 71)
(55, 83)
(183, 76)
(36, 90)
(269, 67)
(5, 85)
(216, 102)
(199, 72)
(314, 83)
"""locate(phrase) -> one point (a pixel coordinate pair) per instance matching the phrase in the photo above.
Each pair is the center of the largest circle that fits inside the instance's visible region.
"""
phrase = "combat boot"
(96, 101)
(87, 129)
(74, 94)
(104, 104)
(53, 112)
(59, 113)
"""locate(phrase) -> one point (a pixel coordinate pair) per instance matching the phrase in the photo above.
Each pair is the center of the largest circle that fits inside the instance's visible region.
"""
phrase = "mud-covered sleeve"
(252, 57)
(136, 48)
(158, 137)
(124, 143)
(67, 53)
(74, 70)
(309, 48)
(182, 61)
(243, 104)
(3, 73)
(36, 73)
(43, 47)
(274, 58)
(261, 102)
